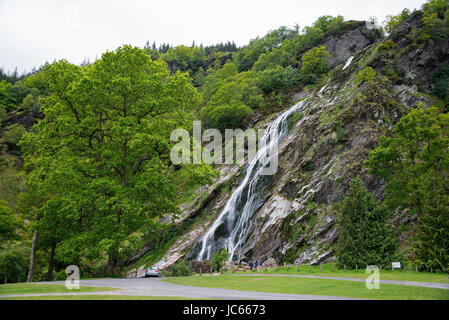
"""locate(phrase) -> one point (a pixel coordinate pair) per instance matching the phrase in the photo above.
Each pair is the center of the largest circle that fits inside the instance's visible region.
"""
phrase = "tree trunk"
(51, 263)
(113, 263)
(32, 257)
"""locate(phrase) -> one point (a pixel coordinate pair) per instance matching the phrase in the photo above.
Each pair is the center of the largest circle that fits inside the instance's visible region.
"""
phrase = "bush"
(341, 134)
(14, 263)
(367, 75)
(219, 258)
(437, 7)
(441, 83)
(393, 21)
(8, 222)
(13, 135)
(225, 116)
(278, 78)
(315, 61)
(180, 269)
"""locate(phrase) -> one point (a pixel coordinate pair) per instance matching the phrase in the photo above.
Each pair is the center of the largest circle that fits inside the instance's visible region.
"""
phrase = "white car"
(152, 272)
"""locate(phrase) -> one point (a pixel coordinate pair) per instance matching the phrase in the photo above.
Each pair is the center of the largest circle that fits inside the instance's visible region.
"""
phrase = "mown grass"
(291, 285)
(326, 271)
(96, 297)
(33, 288)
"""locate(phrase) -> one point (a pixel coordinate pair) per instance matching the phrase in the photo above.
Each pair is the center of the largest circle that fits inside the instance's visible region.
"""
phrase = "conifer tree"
(366, 238)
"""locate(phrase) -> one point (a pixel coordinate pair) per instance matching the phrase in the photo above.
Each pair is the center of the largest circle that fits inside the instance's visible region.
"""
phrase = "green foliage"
(367, 75)
(365, 237)
(224, 117)
(341, 134)
(314, 62)
(393, 21)
(8, 222)
(293, 120)
(227, 86)
(28, 103)
(106, 138)
(435, 25)
(183, 58)
(2, 114)
(414, 164)
(278, 78)
(248, 55)
(180, 269)
(14, 261)
(441, 83)
(388, 45)
(437, 7)
(13, 135)
(328, 23)
(219, 258)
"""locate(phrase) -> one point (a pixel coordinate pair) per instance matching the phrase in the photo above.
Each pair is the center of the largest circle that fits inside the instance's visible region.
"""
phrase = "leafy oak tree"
(100, 157)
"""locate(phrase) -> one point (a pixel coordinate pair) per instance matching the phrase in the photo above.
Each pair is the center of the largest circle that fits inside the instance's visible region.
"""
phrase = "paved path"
(397, 282)
(155, 287)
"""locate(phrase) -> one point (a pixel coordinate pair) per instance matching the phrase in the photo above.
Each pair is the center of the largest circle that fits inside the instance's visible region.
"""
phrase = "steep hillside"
(373, 83)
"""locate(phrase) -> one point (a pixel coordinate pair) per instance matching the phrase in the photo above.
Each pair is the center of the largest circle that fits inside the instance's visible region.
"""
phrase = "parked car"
(152, 272)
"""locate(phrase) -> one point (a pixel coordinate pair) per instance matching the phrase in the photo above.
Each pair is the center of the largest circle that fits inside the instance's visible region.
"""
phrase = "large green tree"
(414, 163)
(314, 61)
(366, 238)
(103, 150)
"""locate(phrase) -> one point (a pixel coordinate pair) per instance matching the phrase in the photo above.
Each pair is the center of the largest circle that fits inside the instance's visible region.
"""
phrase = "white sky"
(33, 32)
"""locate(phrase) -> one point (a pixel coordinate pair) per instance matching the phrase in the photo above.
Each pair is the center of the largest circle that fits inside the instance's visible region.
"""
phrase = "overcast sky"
(33, 32)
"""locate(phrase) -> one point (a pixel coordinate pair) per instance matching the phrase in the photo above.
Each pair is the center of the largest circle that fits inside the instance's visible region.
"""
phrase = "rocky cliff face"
(327, 147)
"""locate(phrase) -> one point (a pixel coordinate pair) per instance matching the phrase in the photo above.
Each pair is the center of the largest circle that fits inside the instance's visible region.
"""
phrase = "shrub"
(13, 135)
(441, 83)
(341, 134)
(219, 258)
(437, 7)
(367, 75)
(315, 61)
(393, 21)
(14, 263)
(225, 116)
(271, 79)
(180, 269)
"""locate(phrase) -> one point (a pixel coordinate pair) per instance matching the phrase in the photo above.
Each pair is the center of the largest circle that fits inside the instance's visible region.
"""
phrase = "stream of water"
(234, 223)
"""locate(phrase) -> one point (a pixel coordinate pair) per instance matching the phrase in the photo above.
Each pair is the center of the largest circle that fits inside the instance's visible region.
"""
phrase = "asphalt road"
(156, 287)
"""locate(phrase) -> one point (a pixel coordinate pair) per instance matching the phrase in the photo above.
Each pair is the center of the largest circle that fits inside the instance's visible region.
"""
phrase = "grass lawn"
(292, 285)
(97, 297)
(31, 288)
(326, 271)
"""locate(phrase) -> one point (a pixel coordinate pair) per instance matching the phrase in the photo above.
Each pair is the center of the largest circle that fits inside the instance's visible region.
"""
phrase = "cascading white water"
(235, 218)
(348, 62)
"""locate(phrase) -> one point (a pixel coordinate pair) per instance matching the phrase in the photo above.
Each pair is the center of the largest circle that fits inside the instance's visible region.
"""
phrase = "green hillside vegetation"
(85, 164)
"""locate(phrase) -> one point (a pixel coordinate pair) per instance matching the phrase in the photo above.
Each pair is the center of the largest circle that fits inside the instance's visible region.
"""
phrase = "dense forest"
(85, 170)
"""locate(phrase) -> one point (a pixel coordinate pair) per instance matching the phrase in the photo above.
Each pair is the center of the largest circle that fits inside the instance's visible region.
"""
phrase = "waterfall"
(234, 223)
(348, 62)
